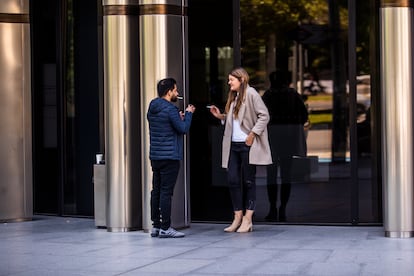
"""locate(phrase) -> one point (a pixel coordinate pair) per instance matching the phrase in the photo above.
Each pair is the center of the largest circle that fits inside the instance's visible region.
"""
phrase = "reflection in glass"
(307, 39)
(288, 116)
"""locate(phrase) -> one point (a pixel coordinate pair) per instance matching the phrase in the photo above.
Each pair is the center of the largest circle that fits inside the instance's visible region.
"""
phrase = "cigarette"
(209, 106)
(180, 98)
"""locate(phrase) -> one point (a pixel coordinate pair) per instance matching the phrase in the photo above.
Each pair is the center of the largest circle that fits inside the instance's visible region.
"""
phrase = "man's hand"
(190, 108)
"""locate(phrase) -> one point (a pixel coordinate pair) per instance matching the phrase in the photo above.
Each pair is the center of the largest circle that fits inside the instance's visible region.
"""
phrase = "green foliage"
(265, 19)
(277, 16)
(261, 19)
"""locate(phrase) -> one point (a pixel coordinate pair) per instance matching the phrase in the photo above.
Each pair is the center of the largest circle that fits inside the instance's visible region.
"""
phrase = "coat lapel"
(230, 115)
(241, 112)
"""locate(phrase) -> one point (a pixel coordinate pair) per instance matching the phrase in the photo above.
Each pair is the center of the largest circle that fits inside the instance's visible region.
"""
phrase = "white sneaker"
(155, 232)
(170, 233)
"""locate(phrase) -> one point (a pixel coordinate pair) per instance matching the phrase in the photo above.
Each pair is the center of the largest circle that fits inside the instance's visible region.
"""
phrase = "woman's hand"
(250, 138)
(216, 112)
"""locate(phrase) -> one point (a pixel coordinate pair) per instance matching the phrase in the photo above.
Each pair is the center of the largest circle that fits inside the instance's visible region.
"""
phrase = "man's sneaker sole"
(168, 236)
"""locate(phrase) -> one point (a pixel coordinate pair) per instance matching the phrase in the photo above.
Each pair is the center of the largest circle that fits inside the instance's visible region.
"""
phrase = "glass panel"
(69, 187)
(308, 41)
(211, 58)
(65, 105)
(46, 162)
(369, 186)
(81, 92)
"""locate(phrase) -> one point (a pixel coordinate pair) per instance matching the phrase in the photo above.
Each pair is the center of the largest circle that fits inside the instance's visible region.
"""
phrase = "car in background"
(363, 94)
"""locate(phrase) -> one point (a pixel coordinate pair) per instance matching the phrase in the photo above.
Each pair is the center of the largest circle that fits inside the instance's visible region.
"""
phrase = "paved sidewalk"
(73, 246)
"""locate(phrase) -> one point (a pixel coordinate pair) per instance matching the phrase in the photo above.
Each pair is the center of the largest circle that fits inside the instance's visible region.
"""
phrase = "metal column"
(122, 115)
(396, 19)
(16, 197)
(163, 46)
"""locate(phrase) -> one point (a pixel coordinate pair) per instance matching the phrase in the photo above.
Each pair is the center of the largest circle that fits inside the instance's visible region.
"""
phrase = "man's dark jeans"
(165, 174)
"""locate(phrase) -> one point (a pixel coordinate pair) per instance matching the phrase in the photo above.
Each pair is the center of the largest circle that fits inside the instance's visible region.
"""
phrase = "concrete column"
(122, 115)
(16, 196)
(163, 53)
(396, 25)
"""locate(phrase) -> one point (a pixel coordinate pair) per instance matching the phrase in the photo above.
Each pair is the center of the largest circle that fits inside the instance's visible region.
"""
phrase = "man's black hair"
(279, 79)
(165, 85)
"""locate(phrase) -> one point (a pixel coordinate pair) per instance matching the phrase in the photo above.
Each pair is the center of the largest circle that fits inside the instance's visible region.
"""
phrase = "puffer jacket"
(166, 130)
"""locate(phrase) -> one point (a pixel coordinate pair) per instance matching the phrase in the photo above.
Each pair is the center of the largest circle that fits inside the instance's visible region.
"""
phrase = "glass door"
(67, 105)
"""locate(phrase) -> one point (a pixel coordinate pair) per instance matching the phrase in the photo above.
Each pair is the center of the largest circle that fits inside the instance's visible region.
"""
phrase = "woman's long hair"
(243, 77)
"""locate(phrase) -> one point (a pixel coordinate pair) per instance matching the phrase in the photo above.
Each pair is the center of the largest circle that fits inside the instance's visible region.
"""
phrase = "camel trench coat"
(253, 116)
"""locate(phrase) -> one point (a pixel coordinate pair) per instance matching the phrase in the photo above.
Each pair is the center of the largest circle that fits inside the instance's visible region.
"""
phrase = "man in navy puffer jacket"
(167, 125)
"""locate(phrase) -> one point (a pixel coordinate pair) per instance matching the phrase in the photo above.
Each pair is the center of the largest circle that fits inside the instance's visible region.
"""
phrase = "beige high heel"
(237, 221)
(247, 224)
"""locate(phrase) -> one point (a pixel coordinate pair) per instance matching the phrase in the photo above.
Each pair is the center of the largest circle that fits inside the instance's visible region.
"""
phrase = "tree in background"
(268, 25)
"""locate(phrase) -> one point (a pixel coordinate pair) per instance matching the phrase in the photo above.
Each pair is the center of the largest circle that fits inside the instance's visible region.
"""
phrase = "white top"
(237, 135)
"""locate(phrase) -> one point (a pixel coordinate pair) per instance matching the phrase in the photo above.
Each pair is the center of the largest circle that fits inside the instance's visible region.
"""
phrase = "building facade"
(86, 71)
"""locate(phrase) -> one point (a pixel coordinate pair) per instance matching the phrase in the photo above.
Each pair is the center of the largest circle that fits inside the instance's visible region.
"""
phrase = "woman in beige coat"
(245, 145)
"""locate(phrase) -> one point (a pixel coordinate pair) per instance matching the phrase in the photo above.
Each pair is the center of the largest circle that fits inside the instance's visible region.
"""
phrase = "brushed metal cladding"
(162, 54)
(14, 6)
(121, 89)
(183, 3)
(119, 2)
(396, 3)
(16, 195)
(397, 121)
